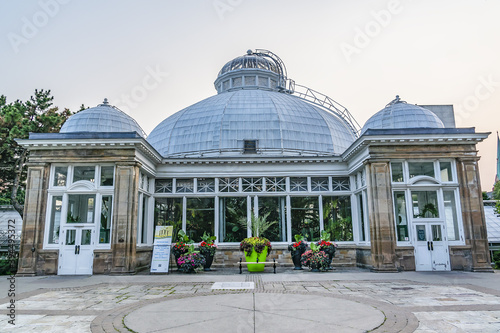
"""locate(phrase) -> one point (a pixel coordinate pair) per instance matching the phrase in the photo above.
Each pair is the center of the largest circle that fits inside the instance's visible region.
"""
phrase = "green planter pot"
(253, 258)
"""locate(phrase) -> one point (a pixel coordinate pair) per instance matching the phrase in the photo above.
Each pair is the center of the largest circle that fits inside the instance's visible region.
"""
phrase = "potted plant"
(207, 249)
(315, 259)
(328, 247)
(257, 248)
(181, 246)
(296, 250)
(190, 260)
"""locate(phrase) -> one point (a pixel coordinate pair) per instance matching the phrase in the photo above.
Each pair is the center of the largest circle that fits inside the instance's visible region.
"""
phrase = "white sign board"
(161, 249)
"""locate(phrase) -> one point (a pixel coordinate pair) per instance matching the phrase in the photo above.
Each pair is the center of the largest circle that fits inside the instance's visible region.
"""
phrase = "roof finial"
(105, 102)
(395, 101)
(249, 52)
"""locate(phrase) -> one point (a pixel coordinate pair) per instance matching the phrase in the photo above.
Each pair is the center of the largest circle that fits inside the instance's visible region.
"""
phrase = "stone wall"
(405, 258)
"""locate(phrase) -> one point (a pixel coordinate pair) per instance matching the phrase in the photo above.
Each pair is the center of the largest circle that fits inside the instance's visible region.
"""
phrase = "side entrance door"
(431, 247)
(76, 254)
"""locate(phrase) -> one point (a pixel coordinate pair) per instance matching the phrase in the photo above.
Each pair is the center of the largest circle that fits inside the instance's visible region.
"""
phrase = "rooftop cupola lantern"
(259, 69)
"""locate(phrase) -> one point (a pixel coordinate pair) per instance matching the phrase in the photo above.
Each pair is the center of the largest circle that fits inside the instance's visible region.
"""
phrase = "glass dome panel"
(399, 114)
(282, 124)
(102, 118)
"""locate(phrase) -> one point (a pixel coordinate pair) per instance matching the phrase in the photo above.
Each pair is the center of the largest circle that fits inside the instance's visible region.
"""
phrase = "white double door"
(431, 247)
(76, 253)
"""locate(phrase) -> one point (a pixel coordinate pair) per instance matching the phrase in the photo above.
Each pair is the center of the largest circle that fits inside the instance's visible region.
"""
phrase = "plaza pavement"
(353, 300)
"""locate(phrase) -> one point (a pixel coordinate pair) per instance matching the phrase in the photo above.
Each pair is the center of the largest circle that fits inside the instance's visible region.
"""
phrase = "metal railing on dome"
(320, 99)
(289, 86)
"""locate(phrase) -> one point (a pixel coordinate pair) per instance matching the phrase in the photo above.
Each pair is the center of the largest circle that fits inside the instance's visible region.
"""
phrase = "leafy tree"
(496, 191)
(17, 120)
(485, 196)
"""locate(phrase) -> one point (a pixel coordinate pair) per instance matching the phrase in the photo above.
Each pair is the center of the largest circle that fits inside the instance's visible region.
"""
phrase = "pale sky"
(153, 58)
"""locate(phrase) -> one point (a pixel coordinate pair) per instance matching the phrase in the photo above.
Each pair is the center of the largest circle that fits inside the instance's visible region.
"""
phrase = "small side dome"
(399, 114)
(102, 118)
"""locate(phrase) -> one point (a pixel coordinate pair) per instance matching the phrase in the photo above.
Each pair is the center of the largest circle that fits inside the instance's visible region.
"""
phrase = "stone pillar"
(471, 199)
(35, 206)
(380, 212)
(125, 207)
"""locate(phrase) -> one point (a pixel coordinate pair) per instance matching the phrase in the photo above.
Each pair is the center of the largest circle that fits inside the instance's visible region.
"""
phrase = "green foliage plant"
(258, 226)
(17, 120)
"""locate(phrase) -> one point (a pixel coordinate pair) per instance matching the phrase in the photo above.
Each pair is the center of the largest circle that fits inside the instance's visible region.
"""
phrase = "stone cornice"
(128, 143)
(247, 161)
(419, 139)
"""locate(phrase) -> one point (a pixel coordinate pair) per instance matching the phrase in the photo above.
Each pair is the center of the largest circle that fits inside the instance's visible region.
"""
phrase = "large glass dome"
(399, 114)
(102, 118)
(279, 124)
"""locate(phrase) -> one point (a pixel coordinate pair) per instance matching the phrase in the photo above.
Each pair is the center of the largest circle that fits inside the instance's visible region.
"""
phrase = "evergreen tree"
(17, 120)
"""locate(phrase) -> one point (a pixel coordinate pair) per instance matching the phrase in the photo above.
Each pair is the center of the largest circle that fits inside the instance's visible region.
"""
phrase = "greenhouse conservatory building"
(400, 193)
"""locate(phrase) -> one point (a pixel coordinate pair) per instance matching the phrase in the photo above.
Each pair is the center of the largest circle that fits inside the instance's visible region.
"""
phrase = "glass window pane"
(232, 210)
(337, 219)
(424, 204)
(436, 233)
(144, 219)
(421, 169)
(397, 172)
(361, 210)
(319, 184)
(70, 237)
(84, 173)
(184, 185)
(105, 227)
(168, 211)
(298, 184)
(206, 185)
(421, 236)
(60, 175)
(86, 237)
(55, 220)
(340, 184)
(446, 175)
(229, 184)
(163, 185)
(305, 217)
(275, 207)
(401, 217)
(107, 173)
(275, 184)
(81, 208)
(450, 213)
(252, 184)
(200, 216)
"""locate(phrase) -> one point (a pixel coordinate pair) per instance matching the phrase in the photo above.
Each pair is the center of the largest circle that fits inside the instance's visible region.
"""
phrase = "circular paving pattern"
(259, 312)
